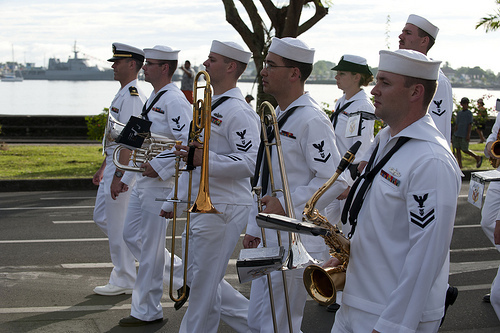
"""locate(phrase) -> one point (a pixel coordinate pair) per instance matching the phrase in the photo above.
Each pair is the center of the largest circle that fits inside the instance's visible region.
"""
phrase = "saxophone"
(495, 151)
(322, 284)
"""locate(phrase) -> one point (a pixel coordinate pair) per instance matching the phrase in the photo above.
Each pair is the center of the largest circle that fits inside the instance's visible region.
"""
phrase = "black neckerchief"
(260, 154)
(145, 111)
(335, 116)
(353, 209)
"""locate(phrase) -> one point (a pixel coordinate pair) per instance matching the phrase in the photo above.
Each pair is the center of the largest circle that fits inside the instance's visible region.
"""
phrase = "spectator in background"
(187, 82)
(461, 134)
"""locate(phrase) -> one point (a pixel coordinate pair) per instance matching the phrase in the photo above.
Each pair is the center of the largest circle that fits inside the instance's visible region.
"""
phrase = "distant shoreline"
(453, 85)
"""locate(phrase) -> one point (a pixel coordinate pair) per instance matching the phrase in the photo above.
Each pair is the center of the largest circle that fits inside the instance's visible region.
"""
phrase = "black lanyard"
(353, 209)
(145, 111)
(335, 116)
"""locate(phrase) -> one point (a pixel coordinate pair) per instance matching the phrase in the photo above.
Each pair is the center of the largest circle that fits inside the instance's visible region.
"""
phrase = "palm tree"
(492, 21)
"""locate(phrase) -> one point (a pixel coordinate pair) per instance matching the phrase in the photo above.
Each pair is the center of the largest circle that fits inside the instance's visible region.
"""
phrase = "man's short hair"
(240, 66)
(172, 66)
(304, 68)
(430, 87)
(138, 64)
(422, 34)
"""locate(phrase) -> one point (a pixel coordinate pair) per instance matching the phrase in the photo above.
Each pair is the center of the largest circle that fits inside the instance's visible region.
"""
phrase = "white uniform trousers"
(351, 320)
(489, 215)
(145, 233)
(109, 215)
(212, 241)
(259, 311)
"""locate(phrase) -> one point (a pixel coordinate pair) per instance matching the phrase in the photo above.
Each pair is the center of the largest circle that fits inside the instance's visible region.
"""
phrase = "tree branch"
(321, 12)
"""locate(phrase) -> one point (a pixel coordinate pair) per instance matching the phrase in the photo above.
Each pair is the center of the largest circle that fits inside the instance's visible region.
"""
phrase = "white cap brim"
(409, 63)
(231, 50)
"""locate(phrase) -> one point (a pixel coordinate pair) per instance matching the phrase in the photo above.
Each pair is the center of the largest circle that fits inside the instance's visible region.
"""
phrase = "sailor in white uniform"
(144, 232)
(352, 119)
(112, 198)
(420, 35)
(490, 218)
(311, 157)
(404, 208)
(233, 145)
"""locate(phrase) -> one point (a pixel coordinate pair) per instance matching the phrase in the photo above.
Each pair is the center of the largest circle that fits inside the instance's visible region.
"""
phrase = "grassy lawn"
(49, 161)
(82, 161)
(469, 163)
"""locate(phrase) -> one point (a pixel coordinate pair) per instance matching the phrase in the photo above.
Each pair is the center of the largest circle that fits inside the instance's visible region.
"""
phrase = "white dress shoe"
(111, 290)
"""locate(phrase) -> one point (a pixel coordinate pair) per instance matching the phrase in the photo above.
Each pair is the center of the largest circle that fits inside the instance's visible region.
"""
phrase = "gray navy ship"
(75, 69)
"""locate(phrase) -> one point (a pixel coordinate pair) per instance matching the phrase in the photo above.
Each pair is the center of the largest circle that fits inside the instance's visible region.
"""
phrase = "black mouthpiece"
(348, 157)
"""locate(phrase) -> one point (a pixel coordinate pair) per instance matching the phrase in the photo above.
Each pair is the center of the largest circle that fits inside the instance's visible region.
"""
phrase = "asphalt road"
(53, 255)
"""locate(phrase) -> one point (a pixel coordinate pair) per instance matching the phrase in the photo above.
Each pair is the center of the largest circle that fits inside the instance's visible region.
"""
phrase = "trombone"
(297, 255)
(202, 113)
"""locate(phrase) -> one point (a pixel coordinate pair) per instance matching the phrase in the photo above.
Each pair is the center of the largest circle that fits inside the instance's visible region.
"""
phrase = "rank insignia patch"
(323, 157)
(177, 127)
(438, 110)
(244, 146)
(159, 110)
(133, 91)
(287, 134)
(216, 121)
(421, 208)
(115, 110)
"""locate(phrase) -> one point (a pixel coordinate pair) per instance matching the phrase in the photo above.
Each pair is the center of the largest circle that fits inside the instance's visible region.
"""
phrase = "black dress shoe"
(179, 304)
(451, 297)
(334, 307)
(486, 298)
(133, 322)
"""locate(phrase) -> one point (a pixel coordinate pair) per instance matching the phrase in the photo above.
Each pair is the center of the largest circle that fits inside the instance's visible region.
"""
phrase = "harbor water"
(81, 98)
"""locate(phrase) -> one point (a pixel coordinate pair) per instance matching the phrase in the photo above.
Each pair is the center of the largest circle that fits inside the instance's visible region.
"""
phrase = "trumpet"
(202, 112)
(323, 284)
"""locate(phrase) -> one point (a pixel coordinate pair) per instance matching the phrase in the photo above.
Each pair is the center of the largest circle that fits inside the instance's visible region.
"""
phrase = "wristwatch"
(119, 173)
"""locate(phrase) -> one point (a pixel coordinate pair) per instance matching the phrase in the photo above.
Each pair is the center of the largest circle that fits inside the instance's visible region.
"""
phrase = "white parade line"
(73, 222)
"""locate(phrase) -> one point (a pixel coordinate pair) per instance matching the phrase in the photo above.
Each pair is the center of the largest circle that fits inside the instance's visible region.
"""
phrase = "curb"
(28, 185)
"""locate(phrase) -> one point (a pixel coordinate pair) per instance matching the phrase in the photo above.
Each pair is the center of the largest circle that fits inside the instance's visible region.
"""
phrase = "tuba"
(202, 113)
(495, 152)
(322, 284)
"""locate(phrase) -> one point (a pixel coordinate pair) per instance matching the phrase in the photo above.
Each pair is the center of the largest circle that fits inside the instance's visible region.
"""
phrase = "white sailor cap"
(231, 50)
(423, 24)
(161, 52)
(352, 63)
(124, 51)
(293, 49)
(409, 63)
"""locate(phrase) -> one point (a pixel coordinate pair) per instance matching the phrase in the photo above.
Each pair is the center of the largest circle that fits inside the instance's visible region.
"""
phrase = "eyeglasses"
(149, 63)
(268, 65)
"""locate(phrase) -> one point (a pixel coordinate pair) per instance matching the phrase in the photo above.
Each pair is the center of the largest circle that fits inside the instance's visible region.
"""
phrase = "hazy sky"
(38, 30)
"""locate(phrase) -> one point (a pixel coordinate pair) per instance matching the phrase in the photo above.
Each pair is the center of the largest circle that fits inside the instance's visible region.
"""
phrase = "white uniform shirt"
(360, 102)
(311, 157)
(234, 141)
(399, 261)
(493, 135)
(170, 117)
(441, 107)
(127, 102)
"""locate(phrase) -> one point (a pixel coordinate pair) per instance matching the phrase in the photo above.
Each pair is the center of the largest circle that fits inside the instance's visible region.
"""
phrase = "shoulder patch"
(322, 156)
(133, 91)
(422, 208)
